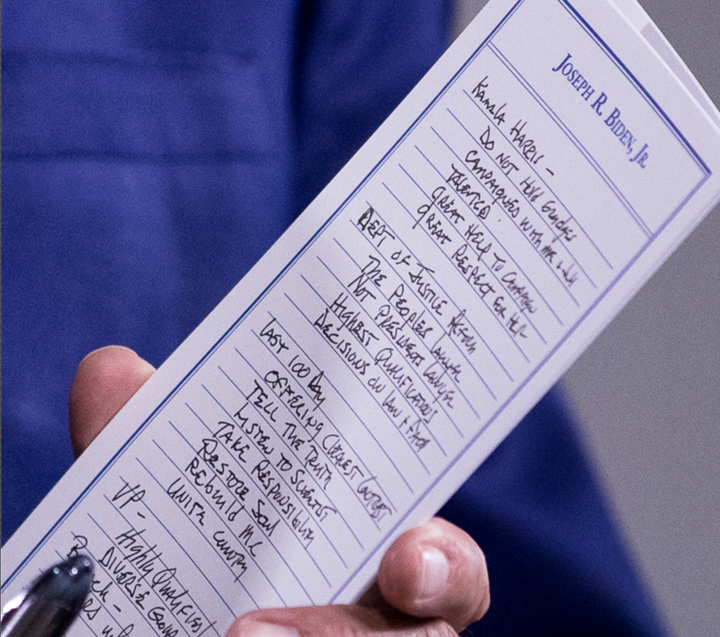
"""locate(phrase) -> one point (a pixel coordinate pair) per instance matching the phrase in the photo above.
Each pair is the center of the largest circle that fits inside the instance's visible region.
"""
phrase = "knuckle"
(437, 628)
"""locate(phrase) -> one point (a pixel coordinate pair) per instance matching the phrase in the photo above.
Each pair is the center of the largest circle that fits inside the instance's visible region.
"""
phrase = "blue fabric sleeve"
(556, 560)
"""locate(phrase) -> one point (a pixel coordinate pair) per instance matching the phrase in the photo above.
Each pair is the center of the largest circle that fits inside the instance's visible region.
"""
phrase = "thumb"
(436, 570)
(105, 380)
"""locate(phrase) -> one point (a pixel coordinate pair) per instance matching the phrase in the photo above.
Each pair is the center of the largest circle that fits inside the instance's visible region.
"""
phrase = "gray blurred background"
(647, 392)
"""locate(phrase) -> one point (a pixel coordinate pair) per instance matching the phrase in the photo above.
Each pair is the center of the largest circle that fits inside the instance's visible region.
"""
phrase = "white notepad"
(416, 311)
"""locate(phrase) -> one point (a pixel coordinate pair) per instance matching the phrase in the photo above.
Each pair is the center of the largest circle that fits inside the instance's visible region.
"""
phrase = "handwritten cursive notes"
(425, 300)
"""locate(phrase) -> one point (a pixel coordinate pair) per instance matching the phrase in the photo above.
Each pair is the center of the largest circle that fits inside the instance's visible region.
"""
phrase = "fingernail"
(435, 570)
(260, 629)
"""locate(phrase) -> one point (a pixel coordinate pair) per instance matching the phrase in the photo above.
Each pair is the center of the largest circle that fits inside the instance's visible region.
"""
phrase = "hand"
(432, 581)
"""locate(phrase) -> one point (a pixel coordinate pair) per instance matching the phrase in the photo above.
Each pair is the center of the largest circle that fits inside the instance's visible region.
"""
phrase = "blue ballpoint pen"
(52, 602)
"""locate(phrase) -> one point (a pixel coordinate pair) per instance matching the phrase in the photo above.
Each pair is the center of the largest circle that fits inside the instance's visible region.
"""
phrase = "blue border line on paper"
(200, 363)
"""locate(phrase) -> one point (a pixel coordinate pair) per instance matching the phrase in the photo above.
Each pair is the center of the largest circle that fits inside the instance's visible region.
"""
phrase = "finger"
(105, 380)
(433, 571)
(335, 621)
(436, 570)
